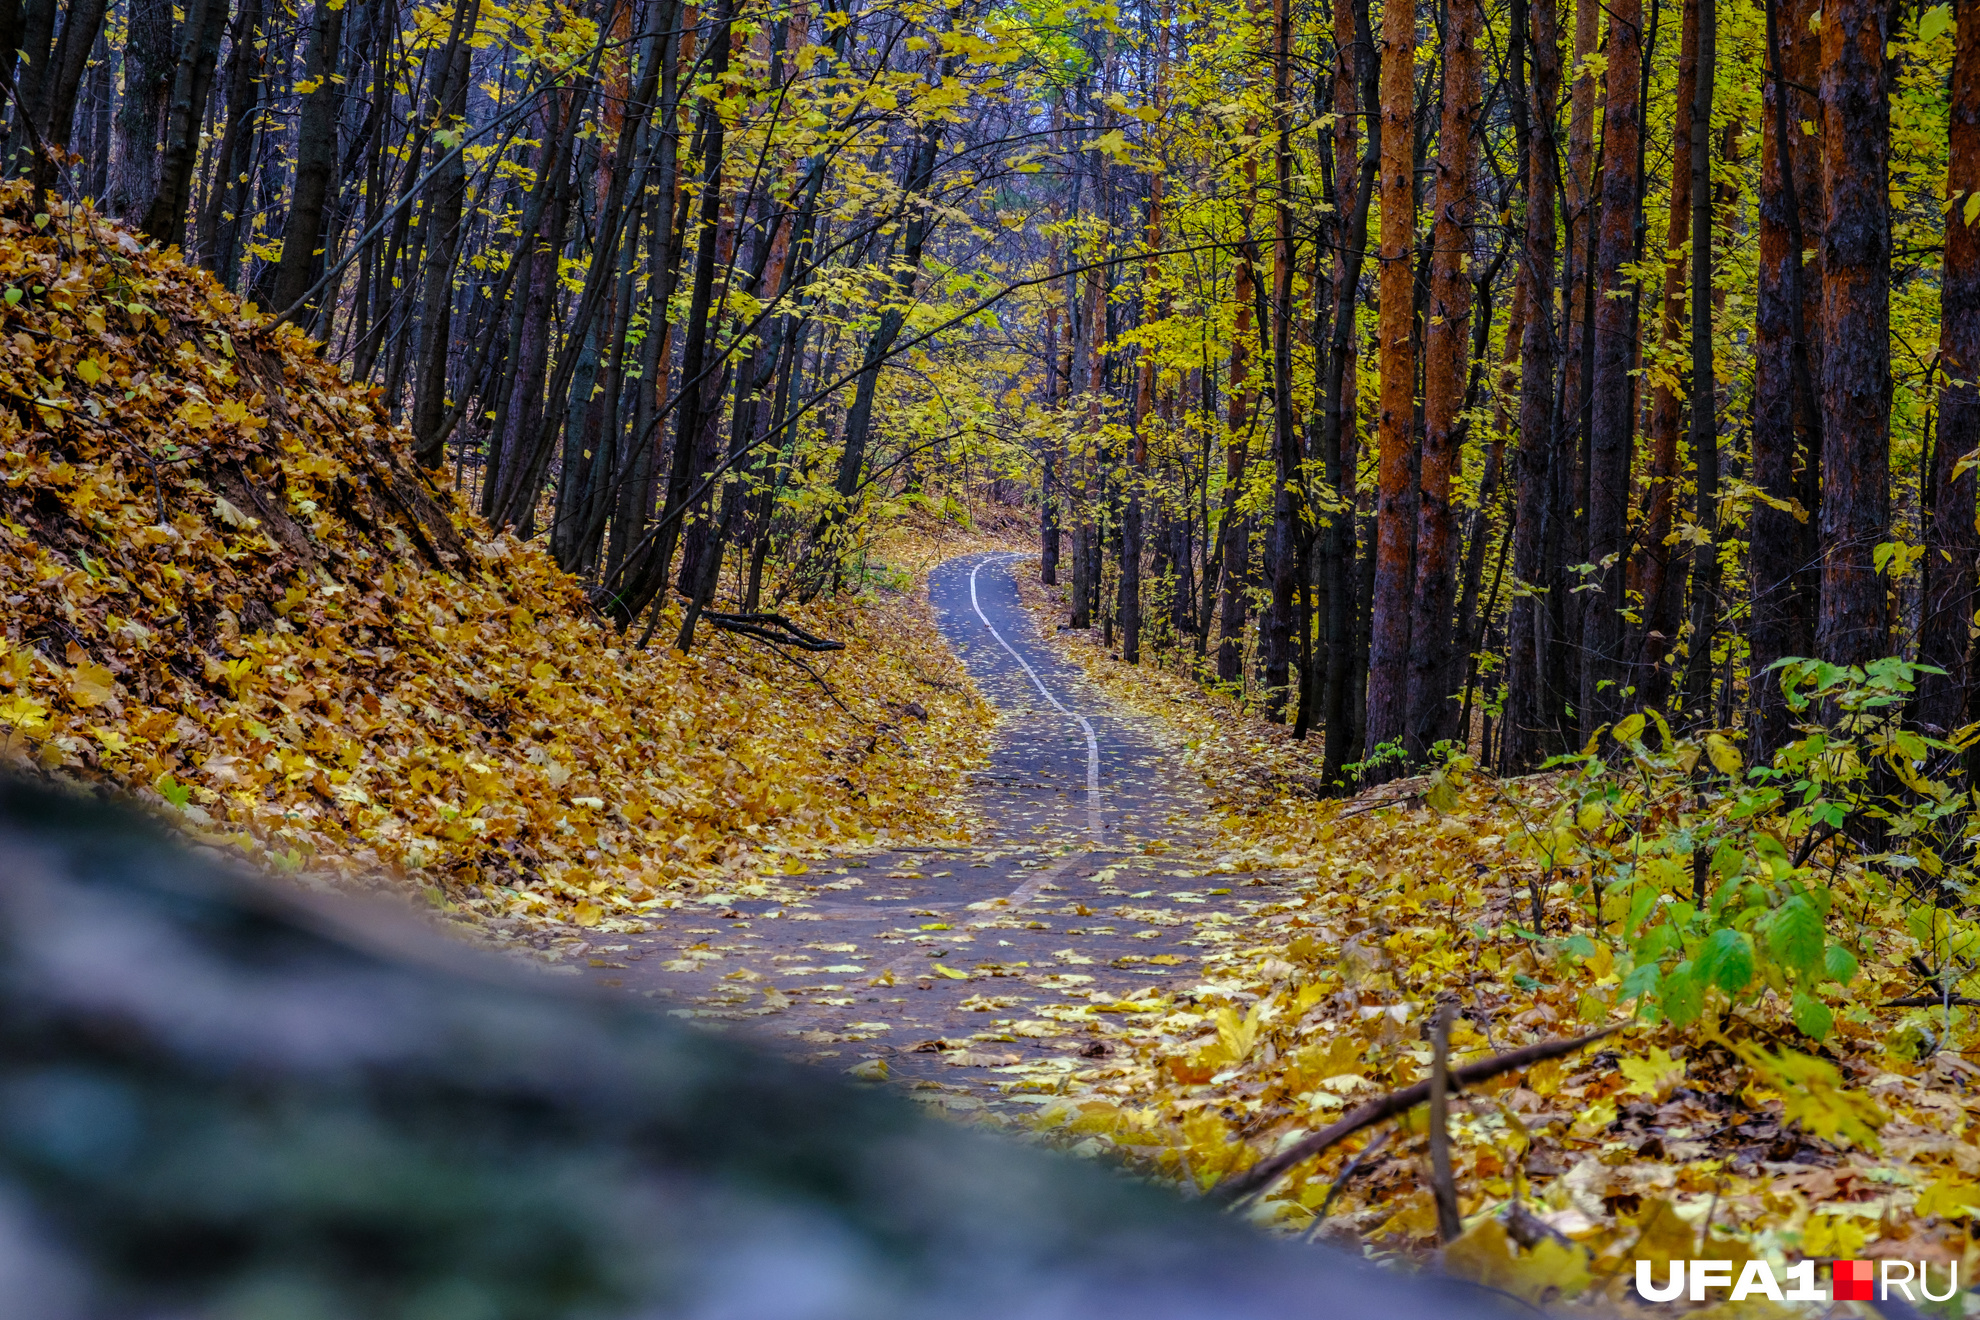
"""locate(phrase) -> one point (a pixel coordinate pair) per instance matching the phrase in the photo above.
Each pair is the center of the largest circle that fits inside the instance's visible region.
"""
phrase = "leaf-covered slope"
(227, 590)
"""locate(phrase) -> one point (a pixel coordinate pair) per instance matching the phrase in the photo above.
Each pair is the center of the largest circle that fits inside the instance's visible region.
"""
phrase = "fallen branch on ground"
(775, 628)
(1263, 1174)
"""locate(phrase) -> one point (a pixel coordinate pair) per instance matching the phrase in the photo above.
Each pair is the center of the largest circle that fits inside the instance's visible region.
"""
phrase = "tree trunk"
(140, 120)
(922, 217)
(1389, 640)
(1704, 385)
(1852, 628)
(1237, 439)
(1050, 478)
(514, 472)
(316, 161)
(1432, 716)
(1612, 420)
(1660, 588)
(220, 220)
(1531, 718)
(1144, 407)
(445, 199)
(36, 45)
(1783, 562)
(1579, 199)
(1945, 701)
(1355, 69)
(192, 80)
(1284, 555)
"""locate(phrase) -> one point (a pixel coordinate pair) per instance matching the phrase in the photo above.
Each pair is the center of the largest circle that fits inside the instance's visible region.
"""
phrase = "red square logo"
(1851, 1280)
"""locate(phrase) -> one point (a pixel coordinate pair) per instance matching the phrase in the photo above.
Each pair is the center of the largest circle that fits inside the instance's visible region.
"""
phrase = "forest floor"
(1732, 1138)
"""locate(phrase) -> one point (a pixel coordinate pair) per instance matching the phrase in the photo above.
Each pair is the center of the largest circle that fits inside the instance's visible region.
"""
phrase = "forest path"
(958, 965)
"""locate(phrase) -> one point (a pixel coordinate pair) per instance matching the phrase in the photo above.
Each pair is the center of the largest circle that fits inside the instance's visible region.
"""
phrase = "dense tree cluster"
(1427, 373)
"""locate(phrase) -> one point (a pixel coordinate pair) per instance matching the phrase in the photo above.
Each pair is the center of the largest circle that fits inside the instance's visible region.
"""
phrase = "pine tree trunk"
(1651, 573)
(1432, 714)
(1388, 647)
(1783, 560)
(1853, 626)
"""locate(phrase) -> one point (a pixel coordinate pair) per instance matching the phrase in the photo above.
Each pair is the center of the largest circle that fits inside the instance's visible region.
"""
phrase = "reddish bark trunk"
(1783, 563)
(1388, 644)
(1432, 715)
(1856, 350)
(1579, 199)
(1651, 573)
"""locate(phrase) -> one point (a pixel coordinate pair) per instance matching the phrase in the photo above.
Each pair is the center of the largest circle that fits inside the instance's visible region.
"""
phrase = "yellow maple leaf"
(91, 685)
(1654, 1075)
(23, 712)
(1487, 1255)
(950, 972)
(1949, 1197)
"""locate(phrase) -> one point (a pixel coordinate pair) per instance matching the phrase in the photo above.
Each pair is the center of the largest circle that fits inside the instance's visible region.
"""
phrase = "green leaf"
(1680, 996)
(1838, 964)
(1659, 940)
(1726, 960)
(173, 791)
(1795, 935)
(1642, 980)
(1933, 22)
(1640, 904)
(1812, 1017)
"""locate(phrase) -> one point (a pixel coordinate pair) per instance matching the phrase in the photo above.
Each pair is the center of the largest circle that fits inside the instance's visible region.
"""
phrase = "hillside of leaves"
(1781, 1107)
(229, 593)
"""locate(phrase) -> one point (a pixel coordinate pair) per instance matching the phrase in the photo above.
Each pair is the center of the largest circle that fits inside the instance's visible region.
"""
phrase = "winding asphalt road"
(951, 963)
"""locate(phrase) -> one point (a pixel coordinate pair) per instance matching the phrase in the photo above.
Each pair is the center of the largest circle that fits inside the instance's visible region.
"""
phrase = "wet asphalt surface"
(955, 966)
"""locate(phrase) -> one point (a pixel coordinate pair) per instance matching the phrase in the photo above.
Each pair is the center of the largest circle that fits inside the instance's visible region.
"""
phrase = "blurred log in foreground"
(218, 1100)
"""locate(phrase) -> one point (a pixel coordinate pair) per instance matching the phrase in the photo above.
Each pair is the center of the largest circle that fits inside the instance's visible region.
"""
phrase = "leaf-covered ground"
(228, 593)
(1732, 1137)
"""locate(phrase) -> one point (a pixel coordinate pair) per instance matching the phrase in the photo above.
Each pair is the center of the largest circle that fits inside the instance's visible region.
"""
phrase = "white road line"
(1093, 822)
